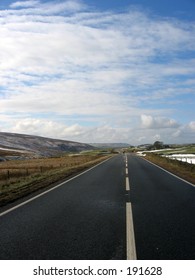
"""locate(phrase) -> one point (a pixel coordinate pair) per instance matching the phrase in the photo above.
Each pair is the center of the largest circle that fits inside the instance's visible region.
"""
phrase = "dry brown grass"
(27, 176)
(179, 168)
(13, 171)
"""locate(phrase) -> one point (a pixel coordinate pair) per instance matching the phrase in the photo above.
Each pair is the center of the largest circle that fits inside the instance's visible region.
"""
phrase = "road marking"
(130, 237)
(126, 162)
(127, 184)
(131, 249)
(45, 192)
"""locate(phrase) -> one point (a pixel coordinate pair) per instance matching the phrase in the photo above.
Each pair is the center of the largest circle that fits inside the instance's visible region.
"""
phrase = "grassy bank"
(45, 173)
(179, 168)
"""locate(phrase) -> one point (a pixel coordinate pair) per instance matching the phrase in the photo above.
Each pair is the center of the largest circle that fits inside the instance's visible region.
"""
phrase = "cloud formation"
(24, 4)
(158, 122)
(69, 70)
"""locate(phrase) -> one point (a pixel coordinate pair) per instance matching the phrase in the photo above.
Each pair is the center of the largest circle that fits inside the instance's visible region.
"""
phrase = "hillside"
(110, 145)
(37, 146)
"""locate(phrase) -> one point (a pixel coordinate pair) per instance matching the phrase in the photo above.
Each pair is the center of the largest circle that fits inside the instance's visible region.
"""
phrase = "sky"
(98, 70)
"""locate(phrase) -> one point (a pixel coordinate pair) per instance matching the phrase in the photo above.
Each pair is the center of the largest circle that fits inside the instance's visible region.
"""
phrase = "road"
(124, 208)
(164, 211)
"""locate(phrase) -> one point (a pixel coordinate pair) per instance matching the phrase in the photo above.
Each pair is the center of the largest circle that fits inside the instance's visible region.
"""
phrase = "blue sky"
(178, 8)
(98, 71)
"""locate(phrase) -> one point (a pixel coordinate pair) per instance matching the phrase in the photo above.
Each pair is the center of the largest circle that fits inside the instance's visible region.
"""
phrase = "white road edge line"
(45, 192)
(131, 249)
(170, 173)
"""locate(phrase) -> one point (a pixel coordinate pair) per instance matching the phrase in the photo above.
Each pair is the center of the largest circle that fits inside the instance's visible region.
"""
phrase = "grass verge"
(27, 185)
(183, 170)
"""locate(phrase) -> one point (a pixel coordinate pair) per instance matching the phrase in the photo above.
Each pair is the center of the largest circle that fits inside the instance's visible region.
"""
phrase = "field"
(19, 178)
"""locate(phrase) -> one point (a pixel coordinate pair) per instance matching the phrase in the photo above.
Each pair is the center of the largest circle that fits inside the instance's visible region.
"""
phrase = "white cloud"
(102, 68)
(151, 122)
(101, 133)
(74, 132)
(24, 4)
(192, 126)
(46, 128)
(37, 7)
(185, 133)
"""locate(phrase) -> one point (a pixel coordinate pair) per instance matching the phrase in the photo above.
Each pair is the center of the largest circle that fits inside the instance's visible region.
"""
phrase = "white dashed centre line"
(130, 236)
(131, 249)
(127, 184)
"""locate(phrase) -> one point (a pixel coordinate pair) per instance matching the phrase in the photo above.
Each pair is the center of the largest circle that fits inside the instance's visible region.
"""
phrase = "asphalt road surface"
(164, 213)
(124, 208)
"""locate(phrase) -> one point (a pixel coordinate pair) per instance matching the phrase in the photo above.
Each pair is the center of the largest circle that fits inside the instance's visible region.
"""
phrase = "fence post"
(8, 174)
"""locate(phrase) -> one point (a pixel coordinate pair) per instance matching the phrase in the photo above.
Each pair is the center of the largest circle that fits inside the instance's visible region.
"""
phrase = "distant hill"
(39, 146)
(110, 145)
